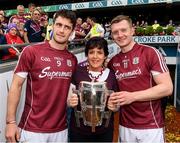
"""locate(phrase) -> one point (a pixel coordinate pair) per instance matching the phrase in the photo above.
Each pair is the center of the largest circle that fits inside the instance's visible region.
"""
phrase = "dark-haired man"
(48, 67)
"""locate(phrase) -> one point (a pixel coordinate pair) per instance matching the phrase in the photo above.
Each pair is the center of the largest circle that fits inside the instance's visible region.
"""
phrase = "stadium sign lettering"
(47, 8)
(166, 39)
(79, 6)
(97, 4)
(156, 39)
(63, 7)
(118, 2)
(146, 39)
(137, 1)
(157, 1)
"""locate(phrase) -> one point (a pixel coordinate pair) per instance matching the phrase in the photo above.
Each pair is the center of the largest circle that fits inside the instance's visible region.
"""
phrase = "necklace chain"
(94, 78)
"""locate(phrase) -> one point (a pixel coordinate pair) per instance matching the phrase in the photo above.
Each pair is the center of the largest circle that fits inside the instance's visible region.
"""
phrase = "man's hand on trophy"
(112, 104)
(122, 98)
(73, 100)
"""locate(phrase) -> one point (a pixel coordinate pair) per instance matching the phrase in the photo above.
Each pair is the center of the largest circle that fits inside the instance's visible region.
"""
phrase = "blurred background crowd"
(36, 26)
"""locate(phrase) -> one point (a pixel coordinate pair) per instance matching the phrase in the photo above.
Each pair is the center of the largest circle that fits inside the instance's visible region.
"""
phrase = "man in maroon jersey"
(48, 67)
(20, 15)
(144, 79)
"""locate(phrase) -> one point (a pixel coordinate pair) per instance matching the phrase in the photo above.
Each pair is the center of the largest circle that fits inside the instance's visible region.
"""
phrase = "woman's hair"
(97, 42)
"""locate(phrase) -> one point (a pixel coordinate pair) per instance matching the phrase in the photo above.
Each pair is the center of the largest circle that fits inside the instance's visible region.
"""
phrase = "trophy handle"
(76, 112)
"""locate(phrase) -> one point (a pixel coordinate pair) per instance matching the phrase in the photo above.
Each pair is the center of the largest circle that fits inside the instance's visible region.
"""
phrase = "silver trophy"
(93, 97)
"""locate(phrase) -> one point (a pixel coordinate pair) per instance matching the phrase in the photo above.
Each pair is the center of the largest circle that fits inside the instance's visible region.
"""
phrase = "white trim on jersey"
(155, 73)
(162, 64)
(22, 74)
(31, 104)
(150, 102)
(160, 57)
(153, 114)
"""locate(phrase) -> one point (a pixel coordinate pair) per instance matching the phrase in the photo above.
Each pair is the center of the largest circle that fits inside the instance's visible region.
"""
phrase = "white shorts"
(141, 135)
(27, 136)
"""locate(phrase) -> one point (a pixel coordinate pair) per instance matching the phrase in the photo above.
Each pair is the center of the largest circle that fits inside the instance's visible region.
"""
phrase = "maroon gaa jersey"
(48, 73)
(134, 71)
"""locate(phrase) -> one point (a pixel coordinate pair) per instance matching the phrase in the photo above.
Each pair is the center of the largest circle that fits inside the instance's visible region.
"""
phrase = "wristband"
(11, 122)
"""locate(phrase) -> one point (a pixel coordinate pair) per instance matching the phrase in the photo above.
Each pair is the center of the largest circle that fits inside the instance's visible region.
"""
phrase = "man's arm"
(12, 133)
(26, 37)
(163, 88)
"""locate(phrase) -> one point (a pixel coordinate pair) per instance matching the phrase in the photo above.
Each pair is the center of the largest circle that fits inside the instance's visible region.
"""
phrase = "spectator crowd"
(36, 26)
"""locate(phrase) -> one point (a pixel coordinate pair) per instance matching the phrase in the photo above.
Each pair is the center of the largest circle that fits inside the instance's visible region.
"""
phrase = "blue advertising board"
(94, 4)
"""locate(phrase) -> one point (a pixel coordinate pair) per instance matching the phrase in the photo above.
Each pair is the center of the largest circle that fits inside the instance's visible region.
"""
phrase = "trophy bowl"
(93, 97)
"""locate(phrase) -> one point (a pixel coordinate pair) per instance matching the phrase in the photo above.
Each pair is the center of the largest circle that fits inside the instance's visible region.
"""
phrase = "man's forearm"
(14, 97)
(12, 103)
(154, 93)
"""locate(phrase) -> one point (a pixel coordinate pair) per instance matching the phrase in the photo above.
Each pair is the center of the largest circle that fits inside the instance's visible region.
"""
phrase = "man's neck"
(128, 48)
(57, 46)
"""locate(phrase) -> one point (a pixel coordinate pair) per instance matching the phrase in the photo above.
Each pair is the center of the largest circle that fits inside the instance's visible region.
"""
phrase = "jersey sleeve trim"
(161, 59)
(22, 74)
(154, 73)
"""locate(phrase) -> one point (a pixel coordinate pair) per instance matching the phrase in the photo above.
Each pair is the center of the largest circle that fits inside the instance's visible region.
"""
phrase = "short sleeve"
(25, 61)
(156, 61)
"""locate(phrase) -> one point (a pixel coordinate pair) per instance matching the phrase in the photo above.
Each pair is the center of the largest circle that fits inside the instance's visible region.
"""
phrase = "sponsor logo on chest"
(50, 74)
(129, 74)
(53, 70)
